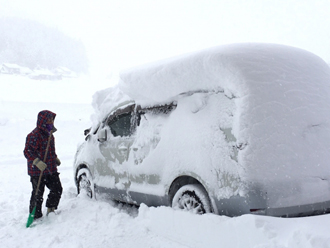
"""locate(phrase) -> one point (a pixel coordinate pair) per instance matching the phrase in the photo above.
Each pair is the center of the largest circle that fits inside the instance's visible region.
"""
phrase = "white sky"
(119, 34)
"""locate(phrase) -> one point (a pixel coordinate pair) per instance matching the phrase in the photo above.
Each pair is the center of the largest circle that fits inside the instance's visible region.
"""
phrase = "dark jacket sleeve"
(31, 147)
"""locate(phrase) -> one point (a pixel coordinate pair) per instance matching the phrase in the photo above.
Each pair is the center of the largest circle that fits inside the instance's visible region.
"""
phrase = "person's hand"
(41, 165)
(58, 161)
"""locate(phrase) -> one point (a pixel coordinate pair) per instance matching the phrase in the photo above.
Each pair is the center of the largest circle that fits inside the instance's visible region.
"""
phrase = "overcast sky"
(119, 34)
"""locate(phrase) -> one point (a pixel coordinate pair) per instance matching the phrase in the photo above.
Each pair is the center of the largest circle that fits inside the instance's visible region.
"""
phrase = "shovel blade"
(31, 217)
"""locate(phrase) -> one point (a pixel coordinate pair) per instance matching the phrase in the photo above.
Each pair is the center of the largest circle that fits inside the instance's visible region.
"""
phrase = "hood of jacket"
(43, 117)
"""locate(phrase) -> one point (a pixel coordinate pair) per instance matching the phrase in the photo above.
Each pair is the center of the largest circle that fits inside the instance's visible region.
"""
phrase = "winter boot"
(50, 210)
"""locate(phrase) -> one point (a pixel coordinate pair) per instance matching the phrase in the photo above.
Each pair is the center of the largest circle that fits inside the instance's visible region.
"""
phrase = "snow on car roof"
(229, 67)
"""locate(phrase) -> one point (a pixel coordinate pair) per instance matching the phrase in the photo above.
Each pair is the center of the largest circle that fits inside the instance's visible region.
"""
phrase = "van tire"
(84, 183)
(192, 198)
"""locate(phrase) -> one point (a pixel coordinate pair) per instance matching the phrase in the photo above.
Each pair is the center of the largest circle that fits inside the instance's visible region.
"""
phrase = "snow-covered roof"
(10, 65)
(234, 68)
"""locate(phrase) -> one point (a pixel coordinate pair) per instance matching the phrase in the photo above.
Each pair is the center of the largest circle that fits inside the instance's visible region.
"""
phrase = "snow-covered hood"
(43, 117)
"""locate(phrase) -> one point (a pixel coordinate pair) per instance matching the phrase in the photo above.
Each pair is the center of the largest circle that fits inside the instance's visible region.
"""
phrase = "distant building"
(38, 73)
(7, 68)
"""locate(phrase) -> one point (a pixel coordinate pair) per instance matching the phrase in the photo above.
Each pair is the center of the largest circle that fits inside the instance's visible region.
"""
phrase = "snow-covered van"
(236, 129)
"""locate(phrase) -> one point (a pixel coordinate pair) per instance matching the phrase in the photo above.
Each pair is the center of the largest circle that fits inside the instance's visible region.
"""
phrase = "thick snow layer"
(106, 100)
(281, 115)
(88, 223)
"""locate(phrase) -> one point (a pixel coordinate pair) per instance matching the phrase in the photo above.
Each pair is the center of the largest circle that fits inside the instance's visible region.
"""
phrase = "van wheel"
(192, 198)
(84, 183)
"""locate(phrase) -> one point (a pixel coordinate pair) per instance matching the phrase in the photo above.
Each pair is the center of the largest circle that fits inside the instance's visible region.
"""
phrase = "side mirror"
(102, 135)
(86, 131)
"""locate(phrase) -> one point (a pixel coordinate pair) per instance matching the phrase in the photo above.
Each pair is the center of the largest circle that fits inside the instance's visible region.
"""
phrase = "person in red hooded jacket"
(35, 149)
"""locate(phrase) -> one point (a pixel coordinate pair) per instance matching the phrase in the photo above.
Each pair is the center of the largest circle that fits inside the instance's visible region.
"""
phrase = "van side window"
(161, 109)
(120, 125)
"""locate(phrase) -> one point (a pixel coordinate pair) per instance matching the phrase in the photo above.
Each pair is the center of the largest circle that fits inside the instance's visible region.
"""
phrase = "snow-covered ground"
(83, 222)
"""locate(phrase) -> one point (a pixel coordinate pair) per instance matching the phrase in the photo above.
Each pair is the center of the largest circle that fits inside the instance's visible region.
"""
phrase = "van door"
(115, 141)
(146, 183)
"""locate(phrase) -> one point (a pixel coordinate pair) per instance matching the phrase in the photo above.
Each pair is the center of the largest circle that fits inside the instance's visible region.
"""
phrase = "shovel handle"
(50, 137)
